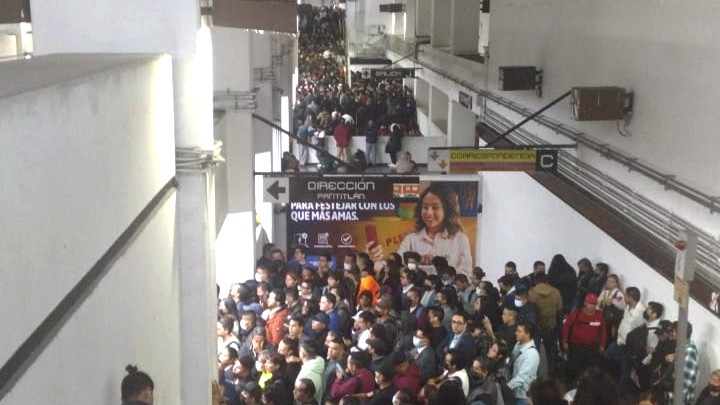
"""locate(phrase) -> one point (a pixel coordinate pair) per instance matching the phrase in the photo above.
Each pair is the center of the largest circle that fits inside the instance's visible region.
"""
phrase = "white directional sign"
(276, 189)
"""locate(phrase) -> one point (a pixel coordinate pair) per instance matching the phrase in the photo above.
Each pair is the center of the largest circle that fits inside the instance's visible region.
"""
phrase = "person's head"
(292, 279)
(267, 250)
(273, 395)
(274, 363)
(506, 283)
(455, 360)
(412, 259)
(227, 356)
(308, 272)
(402, 397)
(546, 391)
(478, 274)
(383, 306)
(438, 210)
(328, 302)
(320, 322)
(336, 349)
(357, 361)
(539, 267)
(596, 387)
(296, 326)
(612, 282)
(277, 255)
(649, 398)
(632, 296)
(584, 265)
(364, 320)
(251, 393)
(292, 296)
(422, 337)
(654, 311)
(137, 386)
(458, 323)
(308, 350)
(289, 347)
(413, 296)
(511, 269)
(590, 303)
(602, 269)
(384, 374)
(300, 253)
(480, 368)
(304, 390)
(276, 299)
(262, 273)
(461, 282)
(524, 332)
(324, 262)
(258, 339)
(306, 288)
(225, 326)
(509, 316)
(407, 277)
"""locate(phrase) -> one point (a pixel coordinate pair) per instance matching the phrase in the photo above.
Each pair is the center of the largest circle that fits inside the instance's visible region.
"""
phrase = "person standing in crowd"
(584, 337)
(562, 276)
(524, 362)
(632, 318)
(549, 308)
(342, 137)
(371, 138)
(710, 395)
(394, 144)
(136, 388)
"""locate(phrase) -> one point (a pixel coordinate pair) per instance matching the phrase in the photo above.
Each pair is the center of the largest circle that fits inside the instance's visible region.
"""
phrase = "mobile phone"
(371, 234)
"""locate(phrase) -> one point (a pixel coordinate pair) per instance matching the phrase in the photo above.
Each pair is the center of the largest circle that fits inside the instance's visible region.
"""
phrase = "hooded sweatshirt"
(313, 369)
(549, 302)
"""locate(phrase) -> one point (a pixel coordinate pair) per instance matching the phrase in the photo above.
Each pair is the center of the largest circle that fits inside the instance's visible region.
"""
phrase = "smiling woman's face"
(433, 213)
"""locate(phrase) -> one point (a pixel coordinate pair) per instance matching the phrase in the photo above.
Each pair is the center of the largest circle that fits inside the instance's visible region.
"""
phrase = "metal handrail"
(647, 215)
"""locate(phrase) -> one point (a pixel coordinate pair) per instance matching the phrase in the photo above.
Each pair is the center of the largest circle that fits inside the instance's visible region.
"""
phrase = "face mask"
(244, 325)
(258, 278)
(416, 341)
(258, 365)
(347, 266)
(447, 281)
(412, 266)
(518, 303)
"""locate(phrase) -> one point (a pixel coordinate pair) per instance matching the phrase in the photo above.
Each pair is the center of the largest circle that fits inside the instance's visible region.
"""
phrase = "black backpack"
(636, 341)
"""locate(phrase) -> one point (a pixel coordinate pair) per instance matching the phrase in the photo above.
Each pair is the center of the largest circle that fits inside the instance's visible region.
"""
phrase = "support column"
(440, 21)
(438, 112)
(461, 125)
(195, 225)
(410, 19)
(423, 18)
(464, 26)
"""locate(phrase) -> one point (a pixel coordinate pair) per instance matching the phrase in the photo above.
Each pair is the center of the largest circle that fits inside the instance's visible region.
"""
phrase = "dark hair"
(411, 255)
(603, 267)
(230, 307)
(459, 360)
(331, 298)
(292, 292)
(450, 205)
(302, 248)
(656, 307)
(478, 272)
(134, 383)
(279, 296)
(595, 387)
(633, 292)
(292, 345)
(360, 359)
(365, 294)
(367, 317)
(437, 311)
(538, 263)
(546, 391)
(309, 386)
(309, 346)
(585, 262)
(228, 323)
(541, 278)
(461, 278)
(528, 327)
(327, 256)
(451, 391)
(507, 280)
(511, 264)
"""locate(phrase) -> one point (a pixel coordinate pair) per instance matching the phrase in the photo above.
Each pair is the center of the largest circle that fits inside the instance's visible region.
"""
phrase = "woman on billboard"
(438, 231)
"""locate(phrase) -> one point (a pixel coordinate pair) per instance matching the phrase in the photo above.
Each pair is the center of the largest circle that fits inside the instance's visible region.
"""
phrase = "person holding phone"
(438, 231)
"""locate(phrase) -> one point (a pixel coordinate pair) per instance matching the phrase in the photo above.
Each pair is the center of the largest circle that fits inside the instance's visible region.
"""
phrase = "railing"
(21, 360)
(647, 215)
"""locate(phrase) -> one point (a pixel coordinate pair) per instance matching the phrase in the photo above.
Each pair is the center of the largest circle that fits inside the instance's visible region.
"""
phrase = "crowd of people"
(385, 331)
(327, 106)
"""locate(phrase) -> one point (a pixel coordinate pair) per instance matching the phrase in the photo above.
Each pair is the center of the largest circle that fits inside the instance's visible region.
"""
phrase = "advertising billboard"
(339, 215)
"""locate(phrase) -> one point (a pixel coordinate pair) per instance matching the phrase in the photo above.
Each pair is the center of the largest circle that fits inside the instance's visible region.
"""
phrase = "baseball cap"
(591, 299)
(322, 317)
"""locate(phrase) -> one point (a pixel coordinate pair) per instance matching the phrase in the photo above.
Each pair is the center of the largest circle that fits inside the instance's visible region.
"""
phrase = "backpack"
(636, 341)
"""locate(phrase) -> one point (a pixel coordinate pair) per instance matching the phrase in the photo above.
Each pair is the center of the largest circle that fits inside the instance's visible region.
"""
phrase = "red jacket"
(274, 327)
(361, 382)
(409, 380)
(586, 329)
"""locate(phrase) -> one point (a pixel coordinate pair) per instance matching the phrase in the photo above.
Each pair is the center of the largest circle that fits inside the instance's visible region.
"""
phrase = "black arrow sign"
(275, 190)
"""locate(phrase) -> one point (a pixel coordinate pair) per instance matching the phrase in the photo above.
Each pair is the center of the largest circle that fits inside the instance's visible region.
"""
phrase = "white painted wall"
(88, 155)
(670, 64)
(524, 222)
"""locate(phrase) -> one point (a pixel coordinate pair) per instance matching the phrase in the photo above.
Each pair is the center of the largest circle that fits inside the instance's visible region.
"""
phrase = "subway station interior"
(146, 143)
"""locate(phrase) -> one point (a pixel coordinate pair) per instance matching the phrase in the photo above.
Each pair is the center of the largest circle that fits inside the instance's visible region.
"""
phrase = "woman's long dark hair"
(451, 208)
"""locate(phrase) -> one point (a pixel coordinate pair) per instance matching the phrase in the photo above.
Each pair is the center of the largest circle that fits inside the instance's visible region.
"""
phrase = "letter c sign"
(546, 160)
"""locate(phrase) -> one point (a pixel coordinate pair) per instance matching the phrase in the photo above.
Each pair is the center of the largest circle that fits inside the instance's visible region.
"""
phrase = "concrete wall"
(87, 156)
(523, 222)
(668, 62)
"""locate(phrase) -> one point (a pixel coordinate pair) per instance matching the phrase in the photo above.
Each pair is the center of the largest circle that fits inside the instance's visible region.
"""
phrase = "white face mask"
(258, 365)
(518, 303)
(258, 278)
(244, 325)
(412, 266)
(347, 266)
(416, 341)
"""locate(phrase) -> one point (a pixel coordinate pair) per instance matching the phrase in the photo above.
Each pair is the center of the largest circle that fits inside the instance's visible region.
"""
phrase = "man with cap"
(584, 337)
(320, 323)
